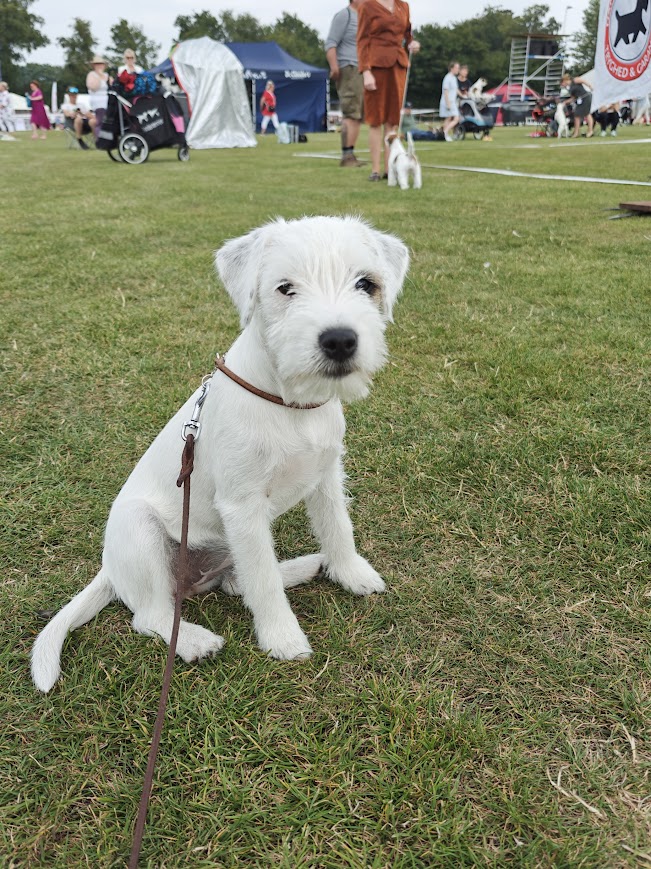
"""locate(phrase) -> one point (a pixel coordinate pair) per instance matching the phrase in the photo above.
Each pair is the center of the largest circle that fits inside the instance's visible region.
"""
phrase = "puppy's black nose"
(338, 344)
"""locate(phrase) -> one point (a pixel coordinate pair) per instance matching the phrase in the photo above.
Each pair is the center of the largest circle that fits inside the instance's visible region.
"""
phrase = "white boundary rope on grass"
(584, 179)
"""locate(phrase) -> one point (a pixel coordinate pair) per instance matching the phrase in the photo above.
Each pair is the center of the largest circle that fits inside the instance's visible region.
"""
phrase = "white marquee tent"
(213, 79)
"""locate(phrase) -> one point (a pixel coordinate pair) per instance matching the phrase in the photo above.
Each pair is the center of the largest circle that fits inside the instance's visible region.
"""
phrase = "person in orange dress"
(384, 43)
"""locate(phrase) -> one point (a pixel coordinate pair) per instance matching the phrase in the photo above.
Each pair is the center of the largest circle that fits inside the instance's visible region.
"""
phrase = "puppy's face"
(320, 291)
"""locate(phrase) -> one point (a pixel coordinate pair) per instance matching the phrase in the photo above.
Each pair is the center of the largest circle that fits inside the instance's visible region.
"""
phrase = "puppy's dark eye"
(366, 286)
(286, 289)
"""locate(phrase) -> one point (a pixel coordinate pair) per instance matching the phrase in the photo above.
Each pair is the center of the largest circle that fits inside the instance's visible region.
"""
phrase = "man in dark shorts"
(341, 53)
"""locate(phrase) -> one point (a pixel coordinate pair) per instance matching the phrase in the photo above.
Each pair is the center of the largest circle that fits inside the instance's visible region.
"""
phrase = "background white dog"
(562, 125)
(314, 297)
(403, 164)
(476, 91)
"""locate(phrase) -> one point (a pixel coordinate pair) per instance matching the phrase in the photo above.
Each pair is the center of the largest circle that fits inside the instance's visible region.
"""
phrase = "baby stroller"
(473, 120)
(134, 127)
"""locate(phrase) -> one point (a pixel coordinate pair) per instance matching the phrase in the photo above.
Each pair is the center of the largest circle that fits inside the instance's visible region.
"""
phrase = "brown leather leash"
(182, 581)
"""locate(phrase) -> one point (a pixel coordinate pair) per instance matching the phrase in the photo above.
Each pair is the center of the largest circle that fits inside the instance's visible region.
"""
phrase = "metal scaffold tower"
(537, 62)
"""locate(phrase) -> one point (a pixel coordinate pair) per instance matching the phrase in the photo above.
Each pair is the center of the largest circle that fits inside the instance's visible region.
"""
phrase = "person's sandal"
(375, 176)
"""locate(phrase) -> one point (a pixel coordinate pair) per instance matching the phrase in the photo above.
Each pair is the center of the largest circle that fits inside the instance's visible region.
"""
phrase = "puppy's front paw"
(287, 643)
(196, 642)
(358, 577)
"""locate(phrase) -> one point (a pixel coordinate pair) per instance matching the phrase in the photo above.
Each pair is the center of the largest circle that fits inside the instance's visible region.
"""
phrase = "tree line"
(483, 42)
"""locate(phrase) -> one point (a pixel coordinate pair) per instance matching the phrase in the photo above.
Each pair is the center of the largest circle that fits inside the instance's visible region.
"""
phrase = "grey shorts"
(350, 88)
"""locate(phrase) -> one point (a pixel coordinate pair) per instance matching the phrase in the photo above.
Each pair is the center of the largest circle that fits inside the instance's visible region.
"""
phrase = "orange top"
(382, 35)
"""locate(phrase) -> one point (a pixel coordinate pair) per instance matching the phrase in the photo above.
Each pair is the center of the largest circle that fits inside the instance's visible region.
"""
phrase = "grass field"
(493, 708)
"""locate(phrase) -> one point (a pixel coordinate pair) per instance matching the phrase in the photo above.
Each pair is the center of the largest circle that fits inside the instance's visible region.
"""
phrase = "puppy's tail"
(46, 654)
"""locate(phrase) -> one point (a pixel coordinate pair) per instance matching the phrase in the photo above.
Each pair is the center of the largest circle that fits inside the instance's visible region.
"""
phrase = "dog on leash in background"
(314, 297)
(403, 164)
(562, 125)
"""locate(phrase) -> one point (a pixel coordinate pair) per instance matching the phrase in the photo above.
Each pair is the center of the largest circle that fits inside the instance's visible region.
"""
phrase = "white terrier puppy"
(562, 126)
(314, 297)
(403, 164)
(476, 90)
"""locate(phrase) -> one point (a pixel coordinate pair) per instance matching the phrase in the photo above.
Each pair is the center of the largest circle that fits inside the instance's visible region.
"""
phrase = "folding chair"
(72, 142)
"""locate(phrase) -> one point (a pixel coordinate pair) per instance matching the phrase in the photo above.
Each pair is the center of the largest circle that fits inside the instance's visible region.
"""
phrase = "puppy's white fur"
(563, 128)
(476, 90)
(403, 165)
(292, 282)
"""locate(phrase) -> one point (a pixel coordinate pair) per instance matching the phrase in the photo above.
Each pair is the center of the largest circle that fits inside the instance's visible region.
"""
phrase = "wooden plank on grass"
(639, 207)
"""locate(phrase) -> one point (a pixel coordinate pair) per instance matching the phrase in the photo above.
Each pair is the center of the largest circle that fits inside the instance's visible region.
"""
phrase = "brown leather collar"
(220, 365)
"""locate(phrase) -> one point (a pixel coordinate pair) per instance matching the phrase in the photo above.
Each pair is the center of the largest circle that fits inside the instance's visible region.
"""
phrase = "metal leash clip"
(193, 424)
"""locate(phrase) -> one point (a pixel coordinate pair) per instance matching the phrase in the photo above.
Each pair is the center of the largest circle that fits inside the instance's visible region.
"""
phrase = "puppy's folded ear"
(394, 259)
(238, 265)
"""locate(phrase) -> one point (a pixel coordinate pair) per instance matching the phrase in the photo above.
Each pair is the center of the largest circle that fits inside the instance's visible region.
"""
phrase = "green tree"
(536, 19)
(125, 35)
(298, 39)
(78, 49)
(483, 42)
(429, 65)
(226, 27)
(20, 32)
(43, 72)
(585, 44)
(199, 24)
(243, 28)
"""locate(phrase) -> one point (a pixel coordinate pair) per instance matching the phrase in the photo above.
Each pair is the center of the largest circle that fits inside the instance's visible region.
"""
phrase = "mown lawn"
(493, 707)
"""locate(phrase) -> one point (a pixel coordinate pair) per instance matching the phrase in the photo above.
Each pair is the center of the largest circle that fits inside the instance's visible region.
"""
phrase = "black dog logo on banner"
(630, 26)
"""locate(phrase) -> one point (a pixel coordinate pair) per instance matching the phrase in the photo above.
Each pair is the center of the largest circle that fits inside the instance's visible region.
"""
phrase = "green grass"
(501, 476)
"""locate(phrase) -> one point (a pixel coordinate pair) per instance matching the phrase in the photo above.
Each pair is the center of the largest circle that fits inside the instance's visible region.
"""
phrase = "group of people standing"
(368, 48)
(82, 122)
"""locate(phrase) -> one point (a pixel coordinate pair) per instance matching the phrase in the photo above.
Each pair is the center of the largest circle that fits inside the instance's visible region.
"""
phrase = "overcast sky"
(156, 17)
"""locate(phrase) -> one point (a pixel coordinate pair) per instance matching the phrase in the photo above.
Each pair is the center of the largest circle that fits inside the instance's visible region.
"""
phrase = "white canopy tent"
(18, 102)
(213, 79)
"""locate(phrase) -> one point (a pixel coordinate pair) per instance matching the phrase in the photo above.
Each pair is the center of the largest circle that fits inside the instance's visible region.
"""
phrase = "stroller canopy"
(213, 79)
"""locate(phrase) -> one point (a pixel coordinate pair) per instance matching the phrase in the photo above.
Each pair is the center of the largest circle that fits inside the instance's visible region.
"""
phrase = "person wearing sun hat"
(97, 82)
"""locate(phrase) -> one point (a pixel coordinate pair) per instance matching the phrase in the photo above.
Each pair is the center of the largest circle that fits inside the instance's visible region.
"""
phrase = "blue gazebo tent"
(301, 89)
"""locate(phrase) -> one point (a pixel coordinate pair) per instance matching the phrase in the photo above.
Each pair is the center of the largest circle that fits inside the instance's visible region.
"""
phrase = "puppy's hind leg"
(295, 571)
(137, 556)
(418, 176)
